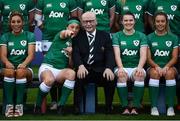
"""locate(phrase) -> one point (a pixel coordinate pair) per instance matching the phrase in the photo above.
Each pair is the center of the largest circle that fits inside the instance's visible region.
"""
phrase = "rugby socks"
(138, 92)
(9, 86)
(123, 93)
(170, 92)
(154, 91)
(20, 89)
(43, 91)
(67, 88)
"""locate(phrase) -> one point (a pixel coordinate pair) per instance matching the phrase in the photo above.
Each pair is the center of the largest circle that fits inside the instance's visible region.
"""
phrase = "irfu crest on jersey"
(23, 42)
(136, 42)
(138, 7)
(168, 43)
(103, 2)
(63, 5)
(22, 6)
(173, 7)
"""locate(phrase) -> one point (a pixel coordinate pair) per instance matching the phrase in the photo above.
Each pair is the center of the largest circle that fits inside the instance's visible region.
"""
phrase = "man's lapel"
(85, 41)
(96, 43)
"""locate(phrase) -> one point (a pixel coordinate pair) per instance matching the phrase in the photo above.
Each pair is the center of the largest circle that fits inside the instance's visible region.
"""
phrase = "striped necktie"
(91, 48)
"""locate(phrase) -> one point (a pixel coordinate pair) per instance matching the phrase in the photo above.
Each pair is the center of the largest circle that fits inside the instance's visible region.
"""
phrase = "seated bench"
(88, 103)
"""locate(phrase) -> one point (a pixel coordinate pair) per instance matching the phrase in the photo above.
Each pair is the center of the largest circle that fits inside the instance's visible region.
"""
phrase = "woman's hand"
(121, 73)
(22, 66)
(9, 65)
(66, 33)
(164, 70)
(139, 72)
(159, 70)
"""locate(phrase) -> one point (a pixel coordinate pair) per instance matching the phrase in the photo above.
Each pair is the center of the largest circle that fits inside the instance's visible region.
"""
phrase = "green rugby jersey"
(17, 46)
(129, 46)
(101, 8)
(56, 14)
(23, 6)
(56, 56)
(161, 47)
(172, 8)
(137, 7)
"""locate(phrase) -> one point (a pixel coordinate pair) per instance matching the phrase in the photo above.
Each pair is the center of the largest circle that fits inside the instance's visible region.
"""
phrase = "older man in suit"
(93, 60)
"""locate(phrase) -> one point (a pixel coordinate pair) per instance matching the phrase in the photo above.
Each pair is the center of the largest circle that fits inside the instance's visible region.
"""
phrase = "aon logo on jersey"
(97, 11)
(161, 53)
(17, 52)
(56, 14)
(129, 52)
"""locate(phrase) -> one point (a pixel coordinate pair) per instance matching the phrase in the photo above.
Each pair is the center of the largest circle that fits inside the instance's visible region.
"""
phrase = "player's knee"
(139, 78)
(47, 77)
(170, 74)
(21, 73)
(8, 72)
(122, 79)
(154, 74)
(70, 74)
(49, 81)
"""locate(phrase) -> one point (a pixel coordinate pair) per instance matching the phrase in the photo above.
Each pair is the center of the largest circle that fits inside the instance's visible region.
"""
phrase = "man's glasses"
(88, 21)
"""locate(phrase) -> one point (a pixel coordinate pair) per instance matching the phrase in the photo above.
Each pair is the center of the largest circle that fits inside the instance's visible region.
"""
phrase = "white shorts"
(129, 71)
(44, 67)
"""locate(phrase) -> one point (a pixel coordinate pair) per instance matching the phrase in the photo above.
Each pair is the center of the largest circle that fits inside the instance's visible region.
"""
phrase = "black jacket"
(104, 56)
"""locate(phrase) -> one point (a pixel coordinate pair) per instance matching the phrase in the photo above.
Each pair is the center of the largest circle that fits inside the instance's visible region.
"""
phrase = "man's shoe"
(60, 110)
(109, 110)
(37, 109)
(77, 111)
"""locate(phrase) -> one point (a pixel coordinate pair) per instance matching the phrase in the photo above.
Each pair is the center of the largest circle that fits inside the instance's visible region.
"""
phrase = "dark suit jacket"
(103, 57)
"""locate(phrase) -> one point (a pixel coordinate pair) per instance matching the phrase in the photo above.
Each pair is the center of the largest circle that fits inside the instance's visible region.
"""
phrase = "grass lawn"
(51, 115)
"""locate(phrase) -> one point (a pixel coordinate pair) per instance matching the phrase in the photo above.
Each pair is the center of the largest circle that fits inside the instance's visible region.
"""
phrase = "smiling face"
(128, 22)
(89, 21)
(160, 23)
(16, 24)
